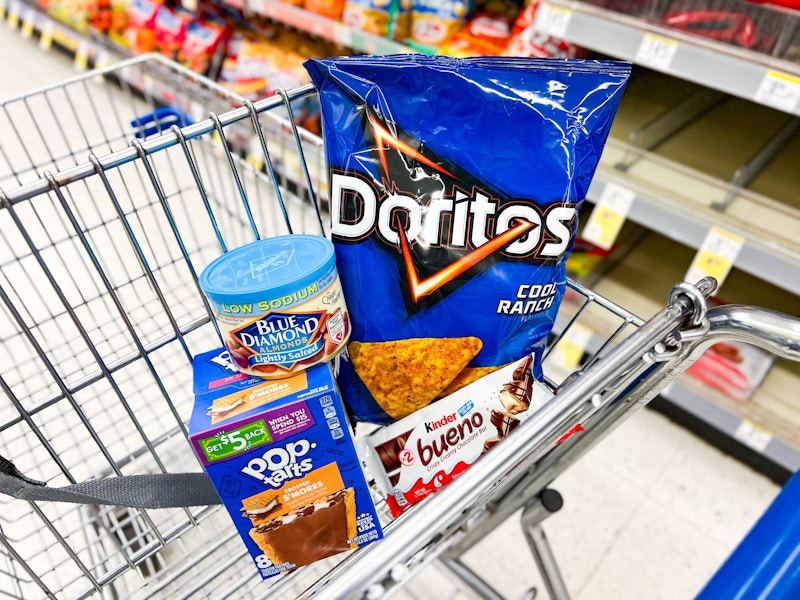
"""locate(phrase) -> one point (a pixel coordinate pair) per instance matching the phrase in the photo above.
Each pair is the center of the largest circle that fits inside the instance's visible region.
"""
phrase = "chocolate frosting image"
(309, 533)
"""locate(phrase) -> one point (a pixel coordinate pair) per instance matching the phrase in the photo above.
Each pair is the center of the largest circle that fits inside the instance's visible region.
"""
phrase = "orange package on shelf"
(332, 9)
(141, 34)
(486, 33)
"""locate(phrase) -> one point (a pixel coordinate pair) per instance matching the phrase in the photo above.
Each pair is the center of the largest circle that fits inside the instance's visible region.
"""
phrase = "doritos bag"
(454, 194)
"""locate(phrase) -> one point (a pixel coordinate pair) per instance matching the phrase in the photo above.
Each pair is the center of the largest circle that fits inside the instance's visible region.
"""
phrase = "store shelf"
(750, 75)
(51, 32)
(732, 425)
(677, 147)
(688, 225)
(322, 27)
(769, 423)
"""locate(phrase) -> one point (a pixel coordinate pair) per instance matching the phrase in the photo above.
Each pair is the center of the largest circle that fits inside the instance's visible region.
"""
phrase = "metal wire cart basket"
(102, 239)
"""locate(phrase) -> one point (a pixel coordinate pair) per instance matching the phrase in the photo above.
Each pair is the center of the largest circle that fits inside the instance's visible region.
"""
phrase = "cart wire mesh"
(108, 215)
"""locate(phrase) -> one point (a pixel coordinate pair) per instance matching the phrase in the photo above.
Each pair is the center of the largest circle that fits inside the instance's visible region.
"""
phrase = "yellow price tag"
(13, 16)
(779, 90)
(255, 161)
(82, 57)
(608, 216)
(656, 52)
(2, 11)
(27, 26)
(46, 37)
(569, 350)
(552, 20)
(753, 435)
(716, 256)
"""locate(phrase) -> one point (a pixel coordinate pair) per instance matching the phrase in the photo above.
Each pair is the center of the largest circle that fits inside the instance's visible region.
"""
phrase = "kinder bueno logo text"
(458, 221)
(277, 465)
(433, 425)
(448, 439)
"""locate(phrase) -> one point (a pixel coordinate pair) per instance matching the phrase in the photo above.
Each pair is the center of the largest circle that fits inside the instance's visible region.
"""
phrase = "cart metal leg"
(536, 511)
(546, 561)
(475, 582)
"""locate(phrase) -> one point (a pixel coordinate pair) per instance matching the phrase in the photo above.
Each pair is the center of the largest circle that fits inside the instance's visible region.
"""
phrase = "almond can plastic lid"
(272, 267)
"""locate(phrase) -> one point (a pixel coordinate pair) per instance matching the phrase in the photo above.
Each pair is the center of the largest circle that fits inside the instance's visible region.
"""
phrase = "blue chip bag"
(454, 193)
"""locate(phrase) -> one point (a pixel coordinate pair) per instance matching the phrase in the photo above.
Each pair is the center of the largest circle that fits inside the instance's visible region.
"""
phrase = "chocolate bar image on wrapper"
(516, 398)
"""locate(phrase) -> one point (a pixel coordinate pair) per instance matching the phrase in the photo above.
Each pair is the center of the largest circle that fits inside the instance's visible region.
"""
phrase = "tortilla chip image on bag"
(454, 185)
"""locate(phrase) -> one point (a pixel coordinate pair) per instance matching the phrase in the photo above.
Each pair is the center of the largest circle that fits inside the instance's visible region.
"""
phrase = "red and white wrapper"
(418, 455)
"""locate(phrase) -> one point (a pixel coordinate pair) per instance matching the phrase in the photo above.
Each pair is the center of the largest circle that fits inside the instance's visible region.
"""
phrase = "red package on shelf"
(486, 33)
(526, 41)
(171, 27)
(141, 34)
(202, 41)
(735, 369)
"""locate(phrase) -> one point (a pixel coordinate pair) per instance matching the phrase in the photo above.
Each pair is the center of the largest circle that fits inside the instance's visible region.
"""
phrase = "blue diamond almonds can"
(278, 304)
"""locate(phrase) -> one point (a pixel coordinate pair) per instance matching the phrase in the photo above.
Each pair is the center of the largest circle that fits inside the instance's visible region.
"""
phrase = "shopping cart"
(104, 227)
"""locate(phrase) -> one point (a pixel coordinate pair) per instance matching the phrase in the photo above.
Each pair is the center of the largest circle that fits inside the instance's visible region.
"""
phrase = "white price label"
(716, 256)
(82, 57)
(343, 36)
(656, 52)
(552, 20)
(779, 90)
(752, 435)
(608, 216)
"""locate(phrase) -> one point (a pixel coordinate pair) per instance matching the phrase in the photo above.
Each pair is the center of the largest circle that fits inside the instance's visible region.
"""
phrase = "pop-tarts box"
(281, 455)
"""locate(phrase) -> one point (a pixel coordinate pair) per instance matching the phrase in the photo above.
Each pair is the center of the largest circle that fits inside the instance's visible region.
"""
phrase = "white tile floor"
(650, 513)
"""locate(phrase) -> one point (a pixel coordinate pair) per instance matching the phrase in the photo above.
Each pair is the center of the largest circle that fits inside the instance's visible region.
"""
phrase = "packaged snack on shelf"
(110, 18)
(418, 455)
(171, 27)
(371, 16)
(332, 9)
(735, 369)
(433, 22)
(525, 40)
(401, 27)
(636, 8)
(486, 33)
(735, 22)
(141, 34)
(281, 456)
(203, 40)
(454, 191)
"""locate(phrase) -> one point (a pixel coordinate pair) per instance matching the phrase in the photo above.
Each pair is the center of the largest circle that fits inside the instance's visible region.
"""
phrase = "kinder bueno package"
(454, 188)
(281, 456)
(418, 455)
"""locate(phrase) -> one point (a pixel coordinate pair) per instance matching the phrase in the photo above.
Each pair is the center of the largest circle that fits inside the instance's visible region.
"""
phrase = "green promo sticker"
(230, 443)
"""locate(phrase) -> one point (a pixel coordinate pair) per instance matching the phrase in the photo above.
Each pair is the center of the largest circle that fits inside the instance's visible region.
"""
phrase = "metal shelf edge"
(776, 450)
(712, 64)
(764, 264)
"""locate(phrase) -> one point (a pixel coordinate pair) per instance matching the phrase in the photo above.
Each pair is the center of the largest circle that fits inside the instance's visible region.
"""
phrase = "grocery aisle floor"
(650, 513)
